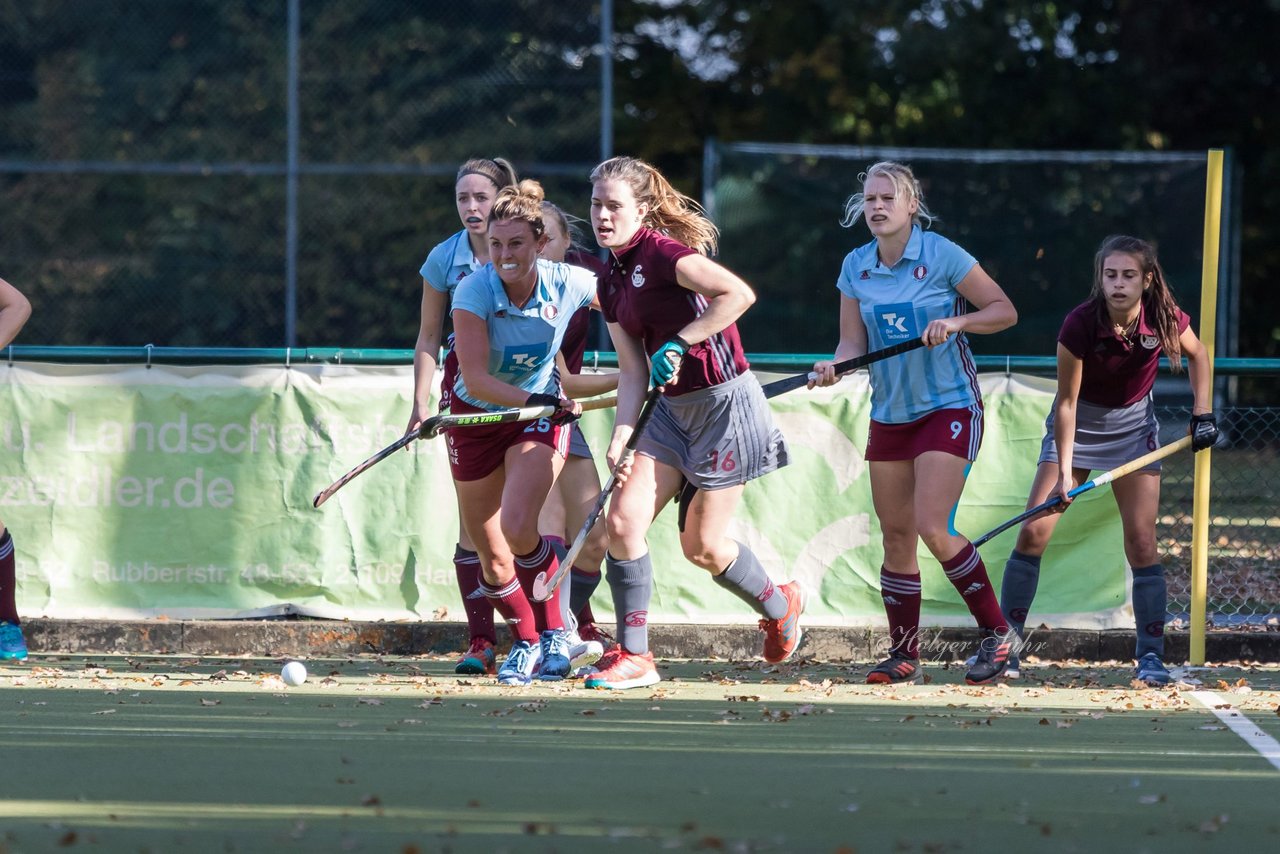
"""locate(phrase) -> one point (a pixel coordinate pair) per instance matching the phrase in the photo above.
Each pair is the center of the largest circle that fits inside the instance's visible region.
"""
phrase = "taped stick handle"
(544, 586)
(787, 384)
(1104, 478)
(437, 424)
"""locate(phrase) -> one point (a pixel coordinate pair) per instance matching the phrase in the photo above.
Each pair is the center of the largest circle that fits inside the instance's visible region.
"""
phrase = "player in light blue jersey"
(475, 188)
(509, 321)
(926, 409)
(523, 338)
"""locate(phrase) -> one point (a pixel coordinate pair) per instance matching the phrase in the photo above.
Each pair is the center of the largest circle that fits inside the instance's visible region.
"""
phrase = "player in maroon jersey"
(14, 311)
(1109, 349)
(672, 313)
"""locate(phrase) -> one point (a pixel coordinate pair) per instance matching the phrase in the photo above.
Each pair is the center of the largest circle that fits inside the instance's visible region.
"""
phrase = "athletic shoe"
(478, 660)
(1152, 671)
(896, 670)
(555, 655)
(993, 656)
(1012, 667)
(620, 669)
(12, 643)
(782, 636)
(583, 654)
(521, 663)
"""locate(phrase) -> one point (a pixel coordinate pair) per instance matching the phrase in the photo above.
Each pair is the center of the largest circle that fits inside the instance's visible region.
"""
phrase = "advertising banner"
(186, 492)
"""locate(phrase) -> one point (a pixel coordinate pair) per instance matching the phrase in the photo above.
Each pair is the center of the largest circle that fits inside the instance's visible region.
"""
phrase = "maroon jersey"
(574, 344)
(640, 293)
(1118, 369)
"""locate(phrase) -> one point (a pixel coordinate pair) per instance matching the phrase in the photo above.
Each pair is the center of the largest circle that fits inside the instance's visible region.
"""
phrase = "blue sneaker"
(555, 655)
(12, 643)
(521, 663)
(1152, 671)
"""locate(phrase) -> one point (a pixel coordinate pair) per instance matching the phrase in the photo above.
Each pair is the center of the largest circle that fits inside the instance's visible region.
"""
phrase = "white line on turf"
(1252, 734)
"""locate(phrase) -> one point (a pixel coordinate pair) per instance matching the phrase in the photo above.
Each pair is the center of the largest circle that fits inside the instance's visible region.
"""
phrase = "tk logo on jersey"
(897, 322)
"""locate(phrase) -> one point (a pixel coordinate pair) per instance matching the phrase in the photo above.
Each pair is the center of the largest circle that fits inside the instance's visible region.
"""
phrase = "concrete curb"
(319, 638)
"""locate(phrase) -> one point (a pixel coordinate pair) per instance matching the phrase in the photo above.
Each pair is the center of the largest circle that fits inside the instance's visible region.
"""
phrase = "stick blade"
(541, 590)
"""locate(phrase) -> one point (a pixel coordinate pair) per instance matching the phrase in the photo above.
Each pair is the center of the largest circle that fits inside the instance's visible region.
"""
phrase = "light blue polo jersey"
(449, 263)
(523, 341)
(897, 303)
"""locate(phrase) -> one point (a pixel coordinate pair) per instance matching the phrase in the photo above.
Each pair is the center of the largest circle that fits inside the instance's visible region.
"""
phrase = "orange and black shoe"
(897, 670)
(994, 651)
(782, 636)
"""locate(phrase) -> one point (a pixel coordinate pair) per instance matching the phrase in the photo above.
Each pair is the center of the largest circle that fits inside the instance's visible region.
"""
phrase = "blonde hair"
(670, 211)
(905, 188)
(521, 202)
(497, 170)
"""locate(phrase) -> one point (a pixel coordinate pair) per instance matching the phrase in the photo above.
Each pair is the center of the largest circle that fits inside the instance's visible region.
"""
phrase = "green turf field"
(170, 754)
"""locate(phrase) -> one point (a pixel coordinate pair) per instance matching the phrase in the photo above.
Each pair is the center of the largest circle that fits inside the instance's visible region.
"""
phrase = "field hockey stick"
(437, 424)
(782, 386)
(544, 586)
(1104, 478)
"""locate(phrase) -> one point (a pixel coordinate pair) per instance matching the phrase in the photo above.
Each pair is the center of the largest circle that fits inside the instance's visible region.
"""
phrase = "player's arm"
(1204, 424)
(15, 309)
(471, 344)
(426, 351)
(585, 385)
(1198, 371)
(727, 295)
(1070, 371)
(995, 311)
(633, 387)
(853, 341)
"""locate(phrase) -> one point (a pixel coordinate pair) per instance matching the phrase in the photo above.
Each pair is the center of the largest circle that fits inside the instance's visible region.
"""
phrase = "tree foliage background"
(408, 90)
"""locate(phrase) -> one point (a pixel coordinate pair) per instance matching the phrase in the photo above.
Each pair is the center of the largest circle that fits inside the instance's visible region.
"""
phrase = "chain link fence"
(1244, 531)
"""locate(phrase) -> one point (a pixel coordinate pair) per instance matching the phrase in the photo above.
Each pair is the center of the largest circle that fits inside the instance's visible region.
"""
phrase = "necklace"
(1123, 330)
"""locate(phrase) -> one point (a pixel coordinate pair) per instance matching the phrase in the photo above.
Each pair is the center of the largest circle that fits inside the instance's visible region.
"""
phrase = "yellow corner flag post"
(1208, 335)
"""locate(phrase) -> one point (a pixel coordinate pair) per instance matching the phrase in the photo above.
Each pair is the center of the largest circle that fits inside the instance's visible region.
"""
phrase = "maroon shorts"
(953, 431)
(448, 377)
(475, 452)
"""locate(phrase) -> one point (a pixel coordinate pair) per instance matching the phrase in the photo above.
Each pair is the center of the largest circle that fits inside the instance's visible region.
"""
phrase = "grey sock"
(631, 583)
(581, 586)
(1018, 589)
(1150, 607)
(747, 579)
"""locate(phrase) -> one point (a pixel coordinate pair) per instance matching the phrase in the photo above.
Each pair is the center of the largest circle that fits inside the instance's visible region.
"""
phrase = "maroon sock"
(969, 575)
(542, 559)
(8, 582)
(901, 595)
(513, 605)
(466, 564)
